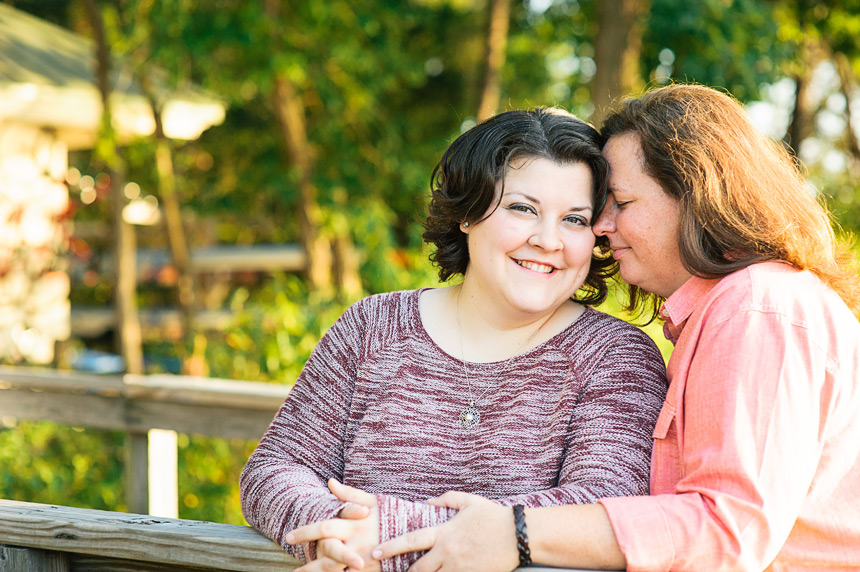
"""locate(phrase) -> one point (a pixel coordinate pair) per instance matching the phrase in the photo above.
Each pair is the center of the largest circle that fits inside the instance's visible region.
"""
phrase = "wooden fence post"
(163, 473)
(137, 471)
(29, 559)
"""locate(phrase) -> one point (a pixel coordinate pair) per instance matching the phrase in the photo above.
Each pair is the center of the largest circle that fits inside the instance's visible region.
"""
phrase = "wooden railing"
(48, 538)
(142, 406)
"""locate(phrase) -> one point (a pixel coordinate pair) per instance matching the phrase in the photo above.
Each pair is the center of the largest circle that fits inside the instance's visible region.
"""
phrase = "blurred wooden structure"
(143, 407)
(216, 263)
(47, 83)
(49, 105)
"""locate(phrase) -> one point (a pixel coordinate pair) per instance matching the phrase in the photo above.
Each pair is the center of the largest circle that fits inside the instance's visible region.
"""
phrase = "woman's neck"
(489, 332)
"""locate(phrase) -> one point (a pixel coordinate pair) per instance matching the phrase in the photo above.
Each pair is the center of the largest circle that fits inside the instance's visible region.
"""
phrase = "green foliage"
(271, 336)
(55, 464)
(733, 45)
(209, 478)
(613, 305)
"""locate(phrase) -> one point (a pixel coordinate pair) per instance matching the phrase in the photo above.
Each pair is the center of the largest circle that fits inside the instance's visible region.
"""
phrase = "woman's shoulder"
(602, 346)
(597, 336)
(603, 328)
(774, 287)
(399, 299)
(385, 312)
(778, 289)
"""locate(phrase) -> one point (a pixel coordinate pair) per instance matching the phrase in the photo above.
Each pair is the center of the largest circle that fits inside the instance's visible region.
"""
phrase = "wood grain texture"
(132, 537)
(205, 406)
(14, 559)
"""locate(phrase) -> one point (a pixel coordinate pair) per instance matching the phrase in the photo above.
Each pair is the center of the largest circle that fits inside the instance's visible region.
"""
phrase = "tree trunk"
(617, 51)
(125, 253)
(166, 180)
(345, 261)
(801, 123)
(800, 126)
(290, 112)
(848, 83)
(497, 42)
(173, 221)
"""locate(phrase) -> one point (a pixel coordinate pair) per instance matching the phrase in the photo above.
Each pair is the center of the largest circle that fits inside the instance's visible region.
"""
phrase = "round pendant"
(470, 416)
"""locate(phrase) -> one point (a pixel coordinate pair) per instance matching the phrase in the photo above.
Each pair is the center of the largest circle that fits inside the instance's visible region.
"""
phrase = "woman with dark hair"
(756, 462)
(507, 385)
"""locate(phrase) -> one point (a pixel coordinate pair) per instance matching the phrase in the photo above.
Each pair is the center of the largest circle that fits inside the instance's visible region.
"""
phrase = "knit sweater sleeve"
(607, 446)
(283, 485)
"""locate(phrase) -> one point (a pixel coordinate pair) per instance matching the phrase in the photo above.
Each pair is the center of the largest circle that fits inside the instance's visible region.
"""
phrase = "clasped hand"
(344, 542)
(479, 537)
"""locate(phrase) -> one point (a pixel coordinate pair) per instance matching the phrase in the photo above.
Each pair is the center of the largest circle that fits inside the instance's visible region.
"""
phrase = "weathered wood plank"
(213, 407)
(222, 422)
(136, 471)
(171, 388)
(140, 538)
(87, 563)
(60, 381)
(206, 391)
(16, 559)
(92, 411)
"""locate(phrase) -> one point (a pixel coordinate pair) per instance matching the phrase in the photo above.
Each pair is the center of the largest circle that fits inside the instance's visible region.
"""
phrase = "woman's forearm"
(574, 537)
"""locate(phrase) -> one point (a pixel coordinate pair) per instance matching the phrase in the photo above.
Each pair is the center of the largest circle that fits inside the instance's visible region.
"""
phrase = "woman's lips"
(617, 252)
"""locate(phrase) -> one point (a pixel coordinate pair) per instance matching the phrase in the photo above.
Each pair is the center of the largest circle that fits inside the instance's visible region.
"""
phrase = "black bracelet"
(522, 536)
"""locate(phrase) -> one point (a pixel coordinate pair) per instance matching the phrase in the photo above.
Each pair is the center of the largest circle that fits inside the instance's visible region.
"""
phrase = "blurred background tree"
(336, 114)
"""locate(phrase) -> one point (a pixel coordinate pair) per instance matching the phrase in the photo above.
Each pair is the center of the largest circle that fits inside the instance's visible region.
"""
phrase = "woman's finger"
(427, 563)
(351, 494)
(332, 528)
(322, 565)
(354, 511)
(452, 499)
(339, 552)
(421, 539)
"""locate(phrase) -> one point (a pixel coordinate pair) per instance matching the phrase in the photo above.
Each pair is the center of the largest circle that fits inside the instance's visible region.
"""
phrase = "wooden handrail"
(137, 403)
(111, 540)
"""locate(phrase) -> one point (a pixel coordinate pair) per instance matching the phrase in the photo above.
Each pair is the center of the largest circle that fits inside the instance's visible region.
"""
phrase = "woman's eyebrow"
(537, 201)
(522, 194)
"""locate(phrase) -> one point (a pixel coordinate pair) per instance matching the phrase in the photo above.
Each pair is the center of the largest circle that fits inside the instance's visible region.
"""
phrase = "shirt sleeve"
(754, 409)
(607, 447)
(283, 485)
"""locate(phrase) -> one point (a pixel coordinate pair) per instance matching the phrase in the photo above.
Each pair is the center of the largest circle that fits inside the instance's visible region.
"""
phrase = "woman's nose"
(546, 236)
(605, 223)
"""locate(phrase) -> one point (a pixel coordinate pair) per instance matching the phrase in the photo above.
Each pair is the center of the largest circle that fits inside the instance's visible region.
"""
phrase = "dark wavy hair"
(743, 198)
(463, 183)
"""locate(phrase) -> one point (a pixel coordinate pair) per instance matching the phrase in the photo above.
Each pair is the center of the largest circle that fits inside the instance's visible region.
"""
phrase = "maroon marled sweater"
(377, 407)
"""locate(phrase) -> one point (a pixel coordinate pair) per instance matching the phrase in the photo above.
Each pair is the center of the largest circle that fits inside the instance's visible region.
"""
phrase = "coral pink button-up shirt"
(756, 461)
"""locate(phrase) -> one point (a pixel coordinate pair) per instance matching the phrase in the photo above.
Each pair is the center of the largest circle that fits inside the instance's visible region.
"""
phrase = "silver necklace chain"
(471, 415)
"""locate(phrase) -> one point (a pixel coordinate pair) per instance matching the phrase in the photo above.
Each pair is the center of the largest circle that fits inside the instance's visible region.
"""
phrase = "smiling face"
(533, 252)
(641, 221)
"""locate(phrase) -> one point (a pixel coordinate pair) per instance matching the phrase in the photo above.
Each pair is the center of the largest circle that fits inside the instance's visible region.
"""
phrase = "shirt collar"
(678, 307)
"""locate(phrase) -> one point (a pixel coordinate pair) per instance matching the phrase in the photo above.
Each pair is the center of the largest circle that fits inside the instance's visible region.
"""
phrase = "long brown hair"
(743, 197)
